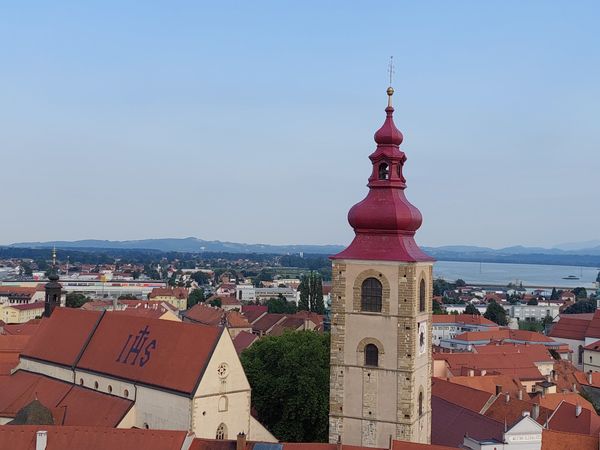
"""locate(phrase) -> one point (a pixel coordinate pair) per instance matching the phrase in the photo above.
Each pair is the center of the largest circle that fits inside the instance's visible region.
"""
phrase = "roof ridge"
(87, 341)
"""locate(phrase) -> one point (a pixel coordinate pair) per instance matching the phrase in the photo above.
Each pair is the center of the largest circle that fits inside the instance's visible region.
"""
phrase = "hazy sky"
(252, 121)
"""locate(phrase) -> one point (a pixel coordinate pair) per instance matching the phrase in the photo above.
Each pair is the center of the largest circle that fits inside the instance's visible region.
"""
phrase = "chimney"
(241, 441)
(471, 373)
(520, 394)
(535, 411)
(498, 389)
(483, 372)
(41, 440)
(590, 378)
(574, 387)
(578, 410)
(507, 397)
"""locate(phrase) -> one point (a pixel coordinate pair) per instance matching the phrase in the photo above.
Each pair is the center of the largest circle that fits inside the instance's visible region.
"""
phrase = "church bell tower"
(53, 289)
(381, 366)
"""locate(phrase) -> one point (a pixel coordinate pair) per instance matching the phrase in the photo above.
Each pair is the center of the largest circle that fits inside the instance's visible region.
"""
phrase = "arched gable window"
(223, 403)
(384, 171)
(222, 431)
(370, 295)
(422, 296)
(420, 403)
(371, 355)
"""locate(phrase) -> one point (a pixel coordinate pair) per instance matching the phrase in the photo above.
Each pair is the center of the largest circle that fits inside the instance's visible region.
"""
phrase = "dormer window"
(384, 171)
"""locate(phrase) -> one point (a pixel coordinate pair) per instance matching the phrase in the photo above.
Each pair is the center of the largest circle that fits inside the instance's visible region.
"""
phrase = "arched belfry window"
(420, 403)
(371, 355)
(384, 171)
(222, 431)
(370, 295)
(422, 296)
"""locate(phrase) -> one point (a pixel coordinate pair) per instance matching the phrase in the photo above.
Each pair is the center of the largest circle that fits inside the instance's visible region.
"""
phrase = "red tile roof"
(178, 292)
(70, 404)
(503, 334)
(488, 383)
(243, 340)
(23, 437)
(165, 358)
(450, 423)
(289, 323)
(557, 440)
(574, 326)
(236, 319)
(206, 314)
(266, 322)
(28, 328)
(71, 328)
(457, 394)
(508, 409)
(565, 419)
(28, 306)
(254, 312)
(552, 401)
(467, 319)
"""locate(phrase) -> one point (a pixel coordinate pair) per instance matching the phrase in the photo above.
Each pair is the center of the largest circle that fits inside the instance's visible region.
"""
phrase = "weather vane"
(391, 70)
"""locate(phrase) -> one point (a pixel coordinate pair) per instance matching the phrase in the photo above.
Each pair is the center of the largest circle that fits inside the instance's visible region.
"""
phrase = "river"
(532, 275)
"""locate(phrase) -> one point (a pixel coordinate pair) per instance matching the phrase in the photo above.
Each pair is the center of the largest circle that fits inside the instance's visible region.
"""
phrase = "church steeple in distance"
(53, 288)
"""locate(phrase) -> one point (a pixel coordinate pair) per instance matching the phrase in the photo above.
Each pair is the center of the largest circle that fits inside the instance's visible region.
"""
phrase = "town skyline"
(126, 129)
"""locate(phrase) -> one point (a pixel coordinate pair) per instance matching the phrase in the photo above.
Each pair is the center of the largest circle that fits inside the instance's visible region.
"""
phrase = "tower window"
(384, 171)
(422, 296)
(370, 295)
(420, 403)
(371, 355)
(222, 432)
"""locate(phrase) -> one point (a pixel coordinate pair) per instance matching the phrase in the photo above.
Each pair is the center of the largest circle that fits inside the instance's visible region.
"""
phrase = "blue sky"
(252, 121)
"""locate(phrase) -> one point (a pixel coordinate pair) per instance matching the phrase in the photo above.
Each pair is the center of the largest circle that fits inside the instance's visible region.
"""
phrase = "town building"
(447, 326)
(21, 313)
(528, 313)
(380, 385)
(151, 363)
(175, 296)
(577, 331)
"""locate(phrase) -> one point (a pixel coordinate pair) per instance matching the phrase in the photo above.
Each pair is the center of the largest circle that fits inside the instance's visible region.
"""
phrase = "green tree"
(532, 301)
(289, 376)
(280, 305)
(496, 313)
(311, 293)
(581, 306)
(580, 292)
(440, 286)
(76, 300)
(460, 283)
(200, 277)
(471, 309)
(195, 297)
(437, 309)
(554, 295)
(216, 302)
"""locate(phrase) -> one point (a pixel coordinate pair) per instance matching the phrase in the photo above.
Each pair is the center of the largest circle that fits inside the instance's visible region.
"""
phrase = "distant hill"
(516, 254)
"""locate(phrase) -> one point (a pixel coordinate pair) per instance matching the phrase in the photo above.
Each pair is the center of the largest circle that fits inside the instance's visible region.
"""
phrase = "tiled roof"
(27, 328)
(557, 440)
(582, 378)
(70, 404)
(551, 401)
(254, 312)
(520, 365)
(236, 319)
(537, 352)
(488, 383)
(243, 340)
(463, 396)
(23, 437)
(27, 306)
(573, 326)
(177, 292)
(507, 408)
(266, 322)
(289, 323)
(467, 319)
(206, 314)
(503, 334)
(71, 328)
(167, 360)
(450, 423)
(565, 419)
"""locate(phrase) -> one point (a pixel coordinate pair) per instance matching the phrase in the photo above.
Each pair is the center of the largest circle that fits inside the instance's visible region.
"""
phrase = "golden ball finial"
(390, 91)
